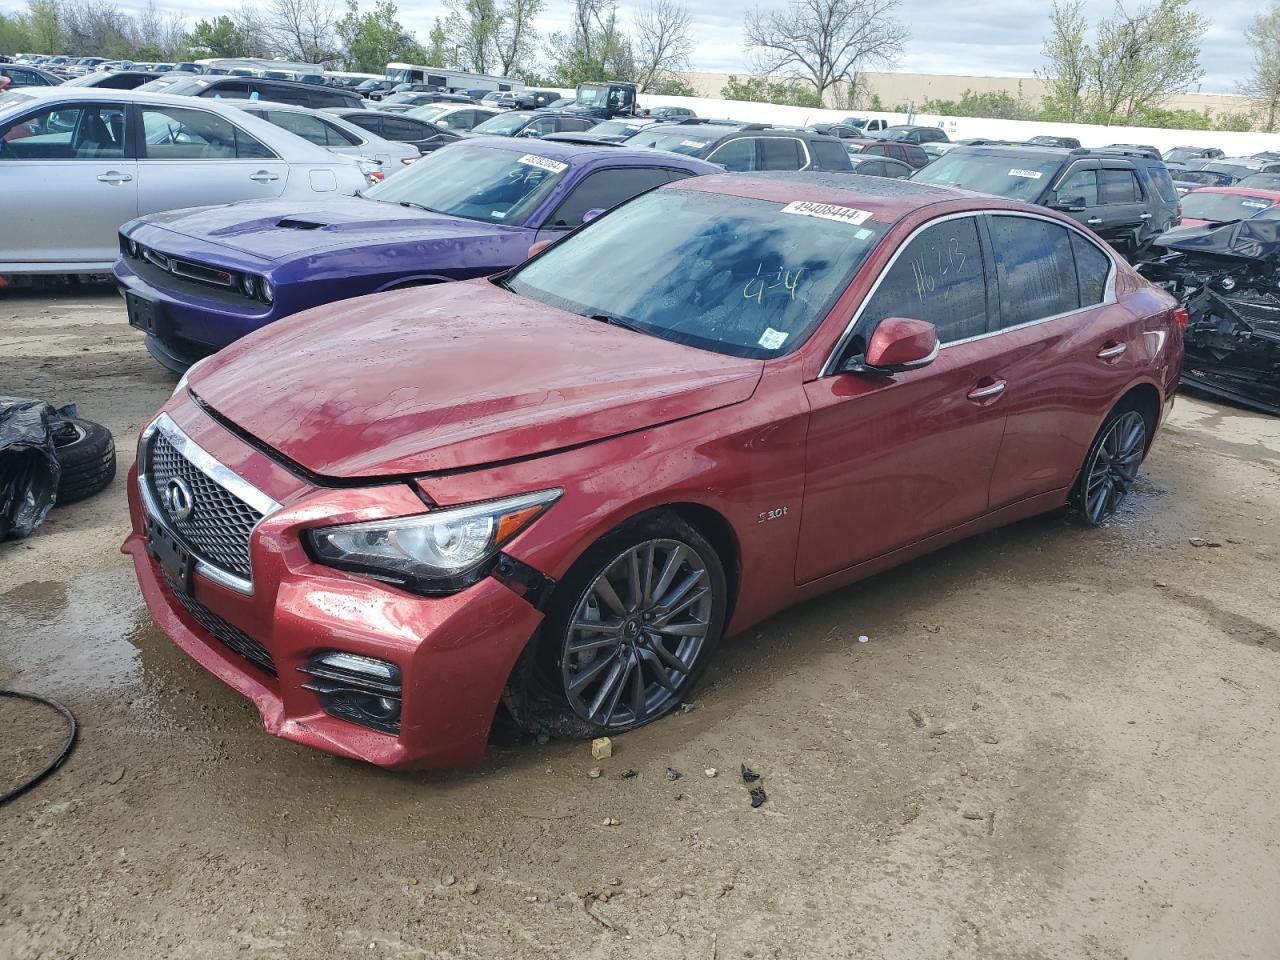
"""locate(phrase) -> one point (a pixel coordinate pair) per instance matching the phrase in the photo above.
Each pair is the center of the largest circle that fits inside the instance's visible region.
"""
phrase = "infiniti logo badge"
(178, 500)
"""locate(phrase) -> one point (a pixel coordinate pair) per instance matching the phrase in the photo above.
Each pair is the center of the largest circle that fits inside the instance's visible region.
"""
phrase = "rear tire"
(87, 455)
(630, 630)
(1111, 466)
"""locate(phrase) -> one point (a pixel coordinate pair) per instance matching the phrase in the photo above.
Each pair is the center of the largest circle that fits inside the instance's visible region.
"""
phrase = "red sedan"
(1221, 204)
(559, 487)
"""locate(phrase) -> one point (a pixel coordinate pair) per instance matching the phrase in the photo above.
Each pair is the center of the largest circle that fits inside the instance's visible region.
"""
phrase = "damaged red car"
(558, 488)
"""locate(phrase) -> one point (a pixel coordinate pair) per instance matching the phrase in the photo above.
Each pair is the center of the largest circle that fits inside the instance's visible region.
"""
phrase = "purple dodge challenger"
(196, 280)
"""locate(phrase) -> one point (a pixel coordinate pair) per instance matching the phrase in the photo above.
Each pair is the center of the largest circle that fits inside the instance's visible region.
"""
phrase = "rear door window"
(1035, 269)
(829, 155)
(179, 133)
(232, 90)
(736, 156)
(781, 153)
(1118, 186)
(604, 189)
(939, 277)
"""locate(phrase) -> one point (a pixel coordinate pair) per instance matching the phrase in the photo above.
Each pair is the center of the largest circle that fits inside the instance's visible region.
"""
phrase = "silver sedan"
(76, 163)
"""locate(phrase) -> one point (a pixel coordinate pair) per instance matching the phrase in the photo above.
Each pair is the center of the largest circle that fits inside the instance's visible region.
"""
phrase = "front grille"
(218, 529)
(229, 635)
(190, 269)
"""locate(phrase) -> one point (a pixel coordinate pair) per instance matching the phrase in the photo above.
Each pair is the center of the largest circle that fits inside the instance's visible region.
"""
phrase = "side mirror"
(538, 247)
(898, 344)
(1070, 204)
(592, 214)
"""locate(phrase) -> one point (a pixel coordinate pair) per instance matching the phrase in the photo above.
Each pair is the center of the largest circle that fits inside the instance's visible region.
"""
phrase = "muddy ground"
(1056, 743)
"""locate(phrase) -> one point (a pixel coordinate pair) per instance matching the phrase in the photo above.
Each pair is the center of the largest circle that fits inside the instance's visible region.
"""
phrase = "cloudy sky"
(996, 37)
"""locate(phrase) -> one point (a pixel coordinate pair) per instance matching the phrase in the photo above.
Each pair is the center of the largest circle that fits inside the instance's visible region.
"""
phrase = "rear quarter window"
(830, 155)
(1158, 173)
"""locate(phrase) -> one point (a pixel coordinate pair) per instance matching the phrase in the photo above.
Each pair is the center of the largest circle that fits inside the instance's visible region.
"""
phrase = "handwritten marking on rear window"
(828, 211)
(1027, 174)
(756, 288)
(533, 160)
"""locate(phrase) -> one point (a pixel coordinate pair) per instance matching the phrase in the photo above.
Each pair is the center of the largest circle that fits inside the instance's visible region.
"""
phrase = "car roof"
(1242, 192)
(574, 150)
(885, 199)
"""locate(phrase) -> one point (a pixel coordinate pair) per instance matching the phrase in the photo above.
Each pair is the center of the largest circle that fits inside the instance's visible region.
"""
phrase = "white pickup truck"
(862, 123)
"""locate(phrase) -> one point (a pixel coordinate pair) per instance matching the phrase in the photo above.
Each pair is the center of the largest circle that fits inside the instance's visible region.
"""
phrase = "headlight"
(265, 291)
(182, 381)
(432, 553)
(133, 247)
(248, 284)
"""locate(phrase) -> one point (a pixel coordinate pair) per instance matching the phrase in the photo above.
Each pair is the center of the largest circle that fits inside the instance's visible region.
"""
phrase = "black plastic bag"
(29, 469)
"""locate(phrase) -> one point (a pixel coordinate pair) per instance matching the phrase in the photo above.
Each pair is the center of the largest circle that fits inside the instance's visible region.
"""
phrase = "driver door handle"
(114, 176)
(1111, 350)
(987, 390)
(1094, 221)
(1145, 216)
(264, 176)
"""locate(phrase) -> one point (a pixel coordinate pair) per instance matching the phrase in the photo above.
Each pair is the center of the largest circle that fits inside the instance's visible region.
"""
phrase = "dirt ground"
(1056, 743)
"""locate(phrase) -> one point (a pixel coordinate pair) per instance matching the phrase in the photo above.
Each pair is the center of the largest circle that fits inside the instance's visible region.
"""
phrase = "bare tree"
(96, 28)
(662, 42)
(252, 26)
(159, 34)
(1139, 59)
(1068, 55)
(826, 42)
(302, 29)
(596, 48)
(1263, 82)
(472, 29)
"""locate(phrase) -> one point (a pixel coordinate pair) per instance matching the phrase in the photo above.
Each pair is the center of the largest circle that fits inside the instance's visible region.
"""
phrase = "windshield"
(1182, 154)
(504, 124)
(750, 278)
(689, 140)
(476, 182)
(592, 94)
(1199, 205)
(1237, 170)
(176, 84)
(616, 128)
(1261, 181)
(431, 110)
(1018, 178)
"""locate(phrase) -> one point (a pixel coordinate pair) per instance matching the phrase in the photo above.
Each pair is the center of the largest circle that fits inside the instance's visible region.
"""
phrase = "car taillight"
(1181, 315)
(375, 176)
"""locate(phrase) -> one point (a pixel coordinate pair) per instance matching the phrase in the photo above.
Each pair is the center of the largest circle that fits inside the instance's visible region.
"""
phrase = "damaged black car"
(1226, 277)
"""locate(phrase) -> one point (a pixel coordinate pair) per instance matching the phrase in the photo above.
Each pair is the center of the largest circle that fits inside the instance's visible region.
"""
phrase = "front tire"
(1111, 466)
(629, 632)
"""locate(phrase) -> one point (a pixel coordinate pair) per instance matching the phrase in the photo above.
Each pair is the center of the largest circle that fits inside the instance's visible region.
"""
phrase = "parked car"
(741, 147)
(525, 99)
(1184, 181)
(841, 131)
(533, 123)
(1145, 149)
(560, 493)
(614, 131)
(117, 80)
(1221, 204)
(561, 104)
(870, 165)
(404, 102)
(907, 133)
(23, 76)
(82, 66)
(77, 162)
(669, 113)
(1047, 140)
(453, 116)
(1179, 156)
(865, 124)
(375, 89)
(334, 134)
(349, 80)
(420, 134)
(912, 154)
(1255, 181)
(469, 210)
(1125, 197)
(1241, 167)
(316, 95)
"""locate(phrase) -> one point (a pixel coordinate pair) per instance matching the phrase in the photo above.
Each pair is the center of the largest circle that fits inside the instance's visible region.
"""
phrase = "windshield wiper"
(416, 206)
(616, 322)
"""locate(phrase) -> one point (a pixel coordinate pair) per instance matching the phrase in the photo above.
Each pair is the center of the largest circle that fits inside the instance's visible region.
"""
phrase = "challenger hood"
(454, 376)
(275, 229)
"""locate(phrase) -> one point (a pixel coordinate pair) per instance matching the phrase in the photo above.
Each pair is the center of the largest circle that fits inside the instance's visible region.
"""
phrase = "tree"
(374, 39)
(825, 42)
(158, 35)
(13, 34)
(596, 48)
(301, 30)
(516, 37)
(1139, 59)
(44, 26)
(662, 43)
(220, 37)
(1068, 54)
(995, 104)
(1263, 82)
(791, 93)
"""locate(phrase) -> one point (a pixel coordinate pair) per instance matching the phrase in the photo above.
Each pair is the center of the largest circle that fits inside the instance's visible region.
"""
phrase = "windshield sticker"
(696, 144)
(772, 339)
(863, 234)
(1255, 204)
(532, 160)
(828, 211)
(1027, 174)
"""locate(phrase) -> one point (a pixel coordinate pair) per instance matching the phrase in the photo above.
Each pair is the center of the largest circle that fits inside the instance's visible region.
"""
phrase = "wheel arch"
(420, 280)
(1145, 399)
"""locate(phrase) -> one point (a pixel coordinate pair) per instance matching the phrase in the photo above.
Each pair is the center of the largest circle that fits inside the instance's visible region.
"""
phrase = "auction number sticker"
(695, 144)
(1255, 204)
(1027, 174)
(827, 211)
(533, 160)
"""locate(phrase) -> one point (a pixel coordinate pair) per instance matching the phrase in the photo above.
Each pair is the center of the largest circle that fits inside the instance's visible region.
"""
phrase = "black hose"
(62, 754)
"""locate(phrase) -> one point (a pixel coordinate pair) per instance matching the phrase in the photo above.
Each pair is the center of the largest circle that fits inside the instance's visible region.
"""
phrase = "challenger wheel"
(629, 633)
(1111, 466)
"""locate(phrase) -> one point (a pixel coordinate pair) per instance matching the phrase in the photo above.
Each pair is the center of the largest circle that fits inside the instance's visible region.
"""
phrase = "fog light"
(357, 689)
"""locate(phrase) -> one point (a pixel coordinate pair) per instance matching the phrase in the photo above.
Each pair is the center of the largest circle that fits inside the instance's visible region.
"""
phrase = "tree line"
(1121, 69)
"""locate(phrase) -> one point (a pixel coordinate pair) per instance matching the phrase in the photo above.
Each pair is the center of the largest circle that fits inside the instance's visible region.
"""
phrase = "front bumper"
(454, 653)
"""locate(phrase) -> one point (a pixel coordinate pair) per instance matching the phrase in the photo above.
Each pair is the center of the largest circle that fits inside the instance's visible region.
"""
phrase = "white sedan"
(77, 162)
(334, 134)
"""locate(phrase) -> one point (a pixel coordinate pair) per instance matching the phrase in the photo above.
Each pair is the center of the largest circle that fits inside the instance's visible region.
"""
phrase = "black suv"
(297, 94)
(909, 133)
(741, 147)
(1125, 196)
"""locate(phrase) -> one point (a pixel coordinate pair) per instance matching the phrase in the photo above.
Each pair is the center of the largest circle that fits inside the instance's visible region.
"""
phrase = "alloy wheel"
(636, 634)
(1114, 466)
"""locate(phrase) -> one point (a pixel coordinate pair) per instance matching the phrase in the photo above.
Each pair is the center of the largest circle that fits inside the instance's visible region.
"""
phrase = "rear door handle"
(1111, 350)
(114, 176)
(1094, 222)
(263, 176)
(1145, 216)
(987, 389)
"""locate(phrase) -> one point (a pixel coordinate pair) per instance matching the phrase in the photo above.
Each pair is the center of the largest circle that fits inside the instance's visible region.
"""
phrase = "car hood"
(451, 377)
(276, 229)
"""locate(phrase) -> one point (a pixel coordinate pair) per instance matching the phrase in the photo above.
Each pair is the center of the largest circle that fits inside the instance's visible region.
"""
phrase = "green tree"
(372, 40)
(1238, 122)
(1263, 82)
(13, 35)
(764, 90)
(44, 26)
(220, 37)
(996, 104)
(596, 48)
(673, 85)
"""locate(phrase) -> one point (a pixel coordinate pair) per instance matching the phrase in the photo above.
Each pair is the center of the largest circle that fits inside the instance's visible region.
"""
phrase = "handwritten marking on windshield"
(756, 287)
